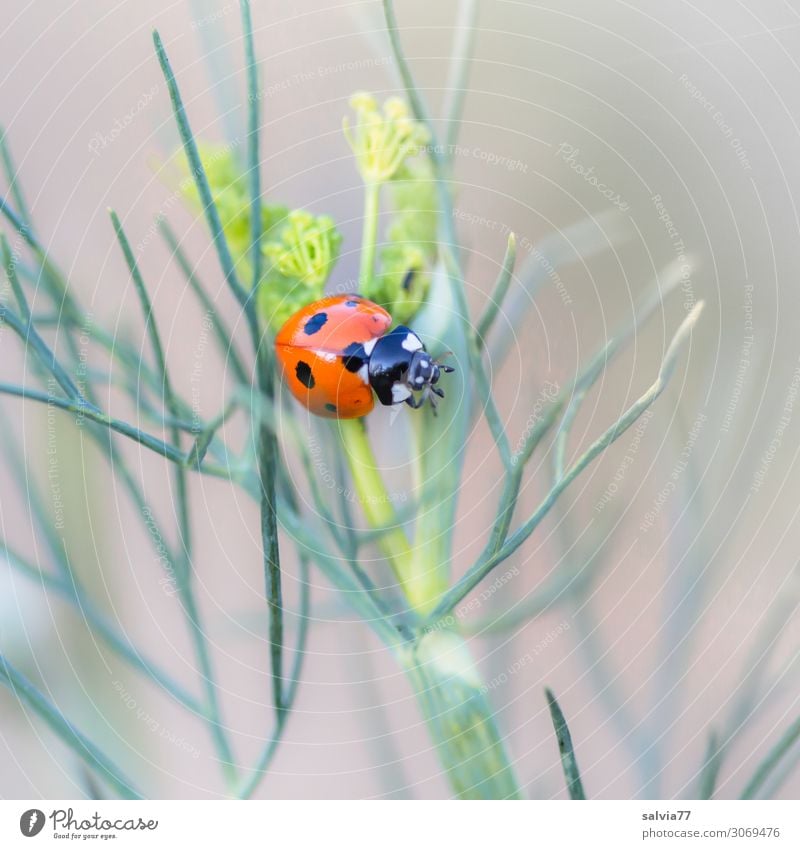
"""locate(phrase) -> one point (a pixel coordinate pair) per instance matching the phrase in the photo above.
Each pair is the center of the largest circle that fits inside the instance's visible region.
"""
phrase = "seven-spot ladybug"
(336, 351)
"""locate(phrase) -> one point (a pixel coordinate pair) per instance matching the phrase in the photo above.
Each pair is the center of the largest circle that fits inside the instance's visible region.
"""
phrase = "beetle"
(338, 353)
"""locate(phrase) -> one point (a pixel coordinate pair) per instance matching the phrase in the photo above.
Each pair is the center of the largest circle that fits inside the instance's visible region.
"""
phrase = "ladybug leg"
(428, 395)
(413, 403)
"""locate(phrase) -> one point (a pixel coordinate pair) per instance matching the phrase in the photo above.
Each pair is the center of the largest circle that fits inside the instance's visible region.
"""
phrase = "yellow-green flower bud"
(300, 249)
(382, 140)
(307, 249)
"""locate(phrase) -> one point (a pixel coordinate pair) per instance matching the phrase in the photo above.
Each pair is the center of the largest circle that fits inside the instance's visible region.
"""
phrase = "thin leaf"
(267, 451)
(59, 292)
(89, 412)
(151, 326)
(772, 760)
(457, 82)
(93, 756)
(199, 174)
(193, 458)
(712, 763)
(27, 332)
(119, 643)
(565, 749)
(198, 451)
(749, 693)
(578, 242)
(222, 333)
(499, 293)
(485, 565)
(253, 156)
(12, 176)
(664, 284)
(250, 783)
(412, 92)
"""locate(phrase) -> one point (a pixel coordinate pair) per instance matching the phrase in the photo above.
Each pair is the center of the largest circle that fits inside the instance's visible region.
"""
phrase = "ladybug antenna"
(444, 368)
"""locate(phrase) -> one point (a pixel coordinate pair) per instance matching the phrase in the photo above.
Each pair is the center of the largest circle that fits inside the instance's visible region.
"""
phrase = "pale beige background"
(653, 96)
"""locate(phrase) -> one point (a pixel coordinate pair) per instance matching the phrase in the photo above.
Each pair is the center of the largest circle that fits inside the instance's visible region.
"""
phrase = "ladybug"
(336, 352)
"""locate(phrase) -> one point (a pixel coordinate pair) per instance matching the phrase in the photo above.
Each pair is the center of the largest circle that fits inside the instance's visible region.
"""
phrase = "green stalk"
(379, 512)
(420, 583)
(460, 718)
(439, 666)
(369, 238)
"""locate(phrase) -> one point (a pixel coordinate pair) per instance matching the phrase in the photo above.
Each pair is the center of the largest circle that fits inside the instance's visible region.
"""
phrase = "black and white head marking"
(399, 367)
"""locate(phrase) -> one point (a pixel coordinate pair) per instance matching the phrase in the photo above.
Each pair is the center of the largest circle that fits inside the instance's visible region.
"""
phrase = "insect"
(338, 353)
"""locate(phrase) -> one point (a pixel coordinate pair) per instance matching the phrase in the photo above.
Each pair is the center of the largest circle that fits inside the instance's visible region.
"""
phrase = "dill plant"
(274, 260)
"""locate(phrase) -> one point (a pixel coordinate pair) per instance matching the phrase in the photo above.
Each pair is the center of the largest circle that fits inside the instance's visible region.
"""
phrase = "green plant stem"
(369, 237)
(394, 633)
(86, 750)
(560, 587)
(448, 245)
(460, 751)
(377, 504)
(460, 718)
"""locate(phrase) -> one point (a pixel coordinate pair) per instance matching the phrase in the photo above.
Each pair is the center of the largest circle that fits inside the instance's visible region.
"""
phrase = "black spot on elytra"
(354, 356)
(315, 323)
(331, 408)
(303, 372)
(351, 303)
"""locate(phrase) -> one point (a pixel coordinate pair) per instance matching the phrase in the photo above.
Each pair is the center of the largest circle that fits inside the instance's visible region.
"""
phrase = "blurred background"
(615, 140)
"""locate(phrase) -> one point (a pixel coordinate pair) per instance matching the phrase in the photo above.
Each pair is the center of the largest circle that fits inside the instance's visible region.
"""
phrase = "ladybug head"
(423, 375)
(402, 371)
